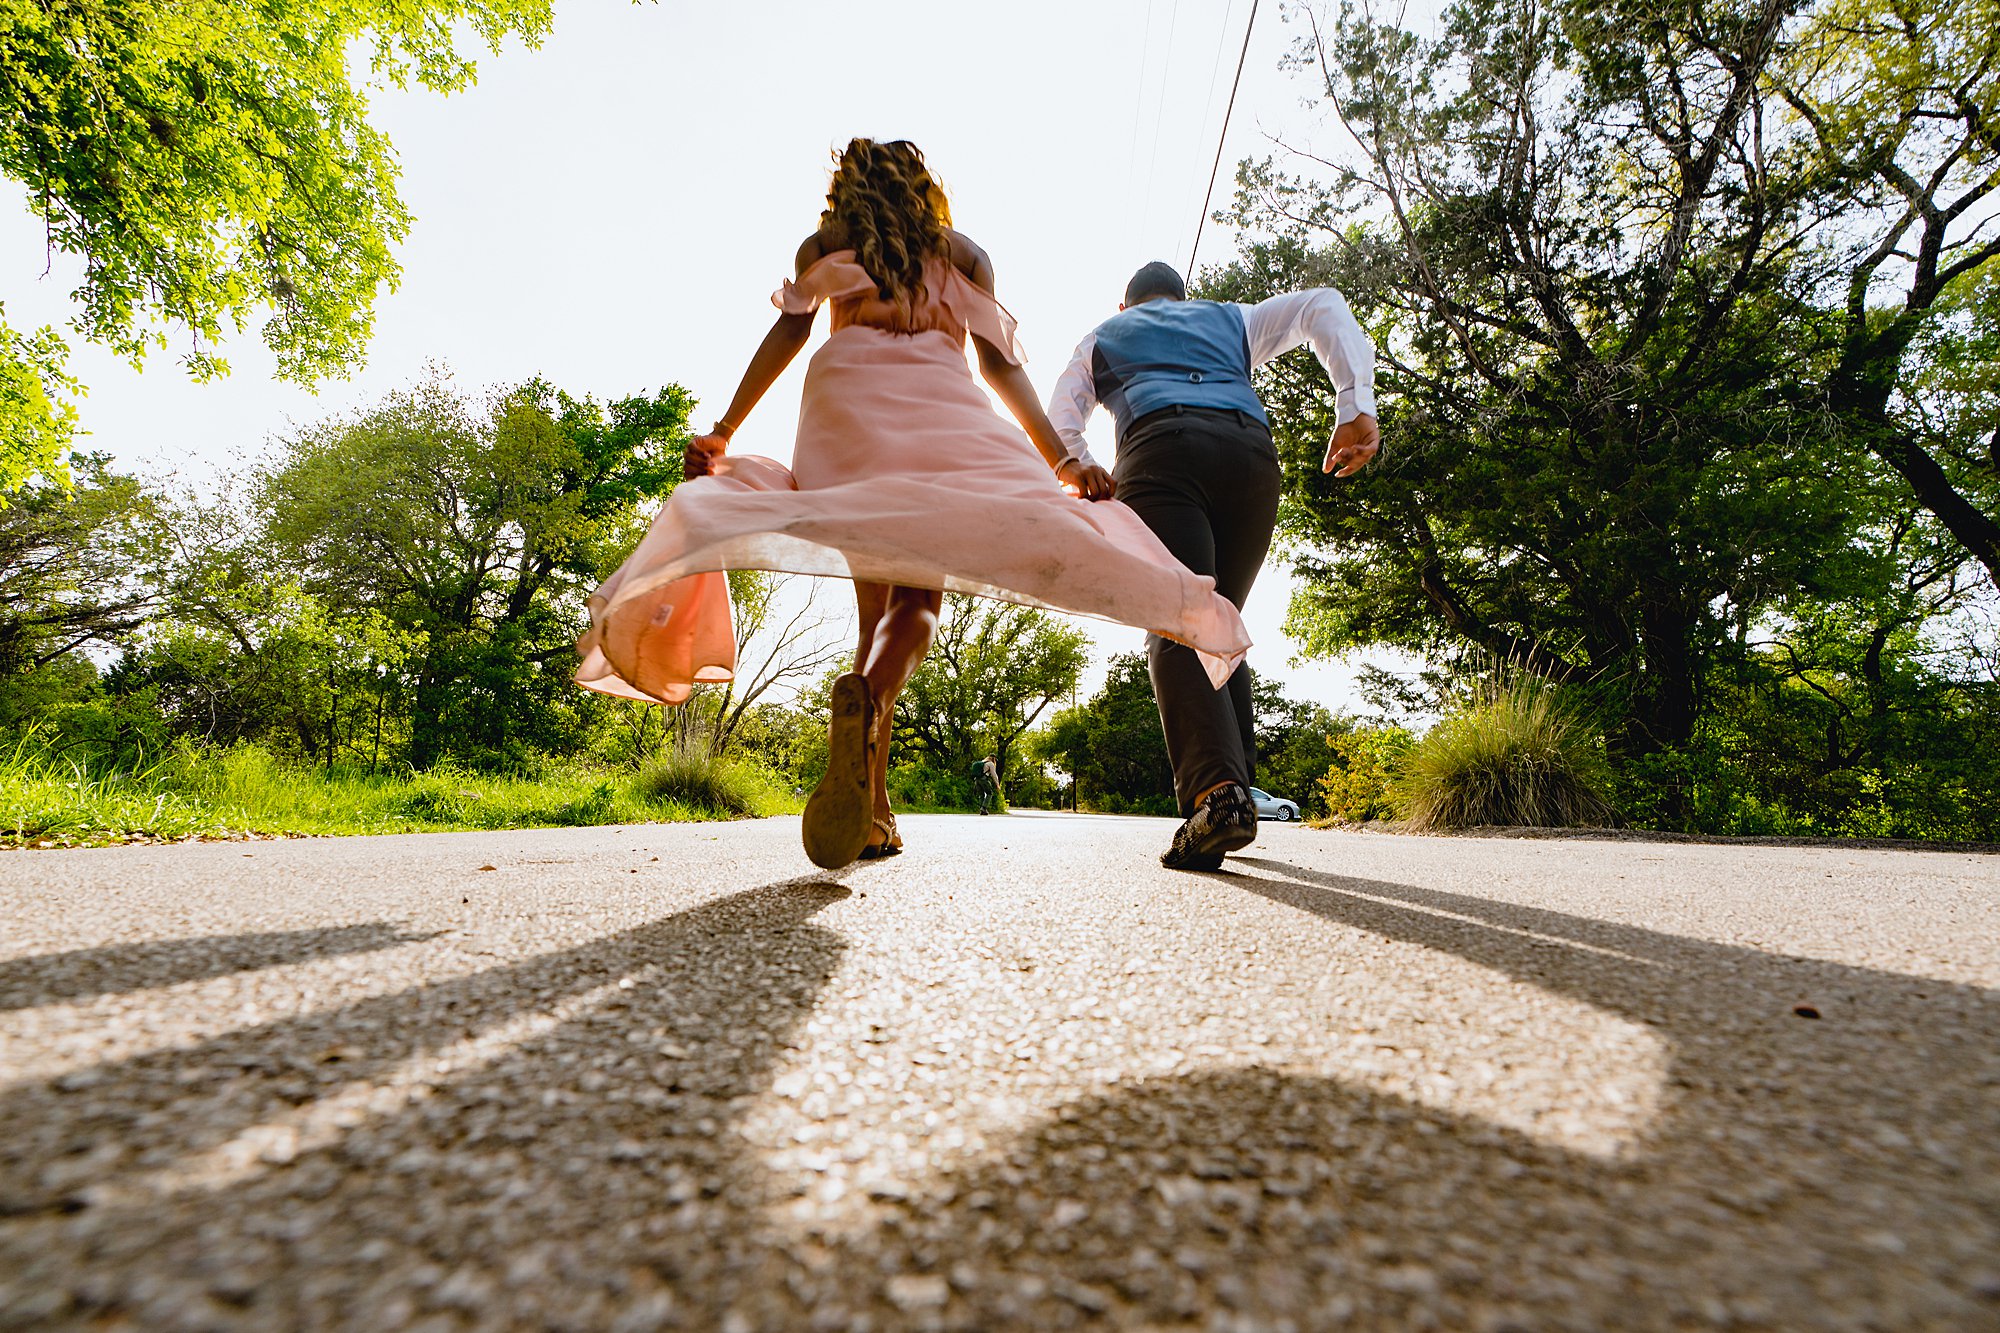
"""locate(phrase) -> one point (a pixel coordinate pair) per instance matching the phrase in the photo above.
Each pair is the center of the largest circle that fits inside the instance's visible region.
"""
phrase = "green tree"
(37, 418)
(483, 528)
(70, 564)
(1593, 243)
(279, 668)
(211, 163)
(1112, 745)
(1358, 785)
(1295, 744)
(994, 670)
(1895, 127)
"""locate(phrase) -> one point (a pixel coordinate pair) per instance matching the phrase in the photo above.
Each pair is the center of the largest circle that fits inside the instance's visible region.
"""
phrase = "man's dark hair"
(1156, 279)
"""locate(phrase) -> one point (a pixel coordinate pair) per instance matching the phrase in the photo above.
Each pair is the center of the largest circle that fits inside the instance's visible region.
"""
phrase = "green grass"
(1515, 757)
(704, 784)
(208, 793)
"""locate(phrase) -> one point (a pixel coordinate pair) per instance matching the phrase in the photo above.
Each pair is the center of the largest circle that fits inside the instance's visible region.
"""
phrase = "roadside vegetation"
(1514, 756)
(1697, 426)
(50, 801)
(1512, 750)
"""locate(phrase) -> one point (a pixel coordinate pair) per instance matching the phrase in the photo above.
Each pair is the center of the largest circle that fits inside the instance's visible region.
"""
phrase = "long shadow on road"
(1837, 1173)
(82, 974)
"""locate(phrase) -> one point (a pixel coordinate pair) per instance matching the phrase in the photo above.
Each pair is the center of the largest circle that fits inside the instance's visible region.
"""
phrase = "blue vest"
(1173, 354)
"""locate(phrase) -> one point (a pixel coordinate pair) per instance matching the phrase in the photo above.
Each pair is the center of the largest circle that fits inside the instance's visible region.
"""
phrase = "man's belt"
(1162, 416)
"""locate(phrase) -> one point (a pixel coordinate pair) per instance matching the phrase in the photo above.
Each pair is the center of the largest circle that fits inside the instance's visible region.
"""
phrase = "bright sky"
(613, 210)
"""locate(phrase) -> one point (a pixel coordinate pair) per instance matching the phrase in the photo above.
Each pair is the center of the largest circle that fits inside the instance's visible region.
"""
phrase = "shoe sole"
(1230, 840)
(1208, 853)
(840, 813)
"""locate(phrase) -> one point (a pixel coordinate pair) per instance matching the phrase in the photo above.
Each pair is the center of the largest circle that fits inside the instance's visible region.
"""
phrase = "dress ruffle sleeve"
(829, 278)
(837, 277)
(975, 308)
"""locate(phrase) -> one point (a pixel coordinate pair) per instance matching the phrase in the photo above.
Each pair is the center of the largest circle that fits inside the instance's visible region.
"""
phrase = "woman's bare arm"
(789, 334)
(1011, 383)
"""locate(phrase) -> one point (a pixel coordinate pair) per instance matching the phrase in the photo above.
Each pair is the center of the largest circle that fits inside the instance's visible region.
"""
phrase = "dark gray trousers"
(1206, 482)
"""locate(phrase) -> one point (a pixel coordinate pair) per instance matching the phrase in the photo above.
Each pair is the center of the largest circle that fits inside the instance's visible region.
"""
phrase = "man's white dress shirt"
(1318, 315)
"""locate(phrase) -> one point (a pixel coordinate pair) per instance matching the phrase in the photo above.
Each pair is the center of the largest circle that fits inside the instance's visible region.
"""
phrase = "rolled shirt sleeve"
(1318, 315)
(1073, 400)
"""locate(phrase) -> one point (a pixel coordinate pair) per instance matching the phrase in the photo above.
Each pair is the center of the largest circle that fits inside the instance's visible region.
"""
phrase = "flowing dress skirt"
(903, 473)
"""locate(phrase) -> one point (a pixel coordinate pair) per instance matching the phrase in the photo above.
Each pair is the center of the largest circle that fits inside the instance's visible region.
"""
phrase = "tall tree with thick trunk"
(1630, 279)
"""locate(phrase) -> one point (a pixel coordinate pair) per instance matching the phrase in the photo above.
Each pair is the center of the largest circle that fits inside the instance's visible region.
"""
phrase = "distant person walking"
(903, 478)
(986, 777)
(1195, 461)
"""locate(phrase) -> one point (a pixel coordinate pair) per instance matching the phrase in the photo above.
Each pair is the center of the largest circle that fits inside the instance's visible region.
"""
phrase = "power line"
(1215, 68)
(1215, 73)
(1166, 71)
(1221, 139)
(1139, 99)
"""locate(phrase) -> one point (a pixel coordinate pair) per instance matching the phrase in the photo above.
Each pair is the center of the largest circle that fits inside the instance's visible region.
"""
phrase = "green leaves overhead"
(37, 418)
(213, 165)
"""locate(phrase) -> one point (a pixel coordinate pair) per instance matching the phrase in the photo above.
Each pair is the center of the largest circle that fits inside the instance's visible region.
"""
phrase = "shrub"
(1358, 785)
(918, 786)
(1515, 757)
(1156, 804)
(699, 783)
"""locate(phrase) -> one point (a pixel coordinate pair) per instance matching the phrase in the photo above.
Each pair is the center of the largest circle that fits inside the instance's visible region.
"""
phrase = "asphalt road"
(1019, 1078)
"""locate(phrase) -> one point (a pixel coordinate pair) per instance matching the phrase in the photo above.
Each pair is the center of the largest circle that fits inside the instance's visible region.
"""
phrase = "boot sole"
(839, 815)
(1208, 853)
(1230, 840)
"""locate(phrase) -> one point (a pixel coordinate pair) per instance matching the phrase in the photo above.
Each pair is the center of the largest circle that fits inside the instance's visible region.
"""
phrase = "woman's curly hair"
(885, 206)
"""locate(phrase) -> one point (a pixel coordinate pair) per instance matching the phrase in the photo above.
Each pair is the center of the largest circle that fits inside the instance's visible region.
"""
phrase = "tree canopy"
(993, 672)
(212, 163)
(1679, 309)
(68, 563)
(481, 525)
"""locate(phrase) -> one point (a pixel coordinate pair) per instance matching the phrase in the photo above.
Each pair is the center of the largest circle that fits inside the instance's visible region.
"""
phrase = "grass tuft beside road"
(49, 801)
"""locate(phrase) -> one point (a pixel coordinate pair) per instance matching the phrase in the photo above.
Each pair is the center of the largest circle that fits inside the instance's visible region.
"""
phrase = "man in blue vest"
(1195, 460)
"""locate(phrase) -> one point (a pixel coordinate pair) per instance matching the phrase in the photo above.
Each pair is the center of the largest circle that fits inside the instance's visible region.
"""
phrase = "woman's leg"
(897, 626)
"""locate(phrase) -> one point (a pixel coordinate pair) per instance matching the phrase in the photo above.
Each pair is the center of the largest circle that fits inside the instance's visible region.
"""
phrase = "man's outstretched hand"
(1352, 445)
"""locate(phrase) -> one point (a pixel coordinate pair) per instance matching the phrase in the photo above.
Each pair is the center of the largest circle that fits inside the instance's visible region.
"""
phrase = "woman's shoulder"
(969, 258)
(813, 249)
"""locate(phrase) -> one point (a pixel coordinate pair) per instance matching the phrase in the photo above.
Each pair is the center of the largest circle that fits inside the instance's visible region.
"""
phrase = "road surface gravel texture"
(1018, 1078)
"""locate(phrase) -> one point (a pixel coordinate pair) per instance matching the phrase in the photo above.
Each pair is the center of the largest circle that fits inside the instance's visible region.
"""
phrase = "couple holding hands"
(905, 480)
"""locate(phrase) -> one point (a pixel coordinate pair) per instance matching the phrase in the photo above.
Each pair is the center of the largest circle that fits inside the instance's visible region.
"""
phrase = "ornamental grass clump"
(1516, 757)
(699, 783)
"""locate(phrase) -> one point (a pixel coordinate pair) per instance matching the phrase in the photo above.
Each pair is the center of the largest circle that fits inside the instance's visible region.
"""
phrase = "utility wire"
(1139, 99)
(1214, 74)
(1166, 72)
(1221, 139)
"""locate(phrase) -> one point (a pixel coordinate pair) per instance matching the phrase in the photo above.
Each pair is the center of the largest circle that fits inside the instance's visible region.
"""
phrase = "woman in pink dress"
(903, 479)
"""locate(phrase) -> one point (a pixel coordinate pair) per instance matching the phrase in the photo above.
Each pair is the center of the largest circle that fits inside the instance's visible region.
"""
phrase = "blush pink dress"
(903, 473)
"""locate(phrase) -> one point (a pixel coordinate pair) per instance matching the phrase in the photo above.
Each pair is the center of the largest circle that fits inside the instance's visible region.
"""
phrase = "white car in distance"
(1273, 807)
